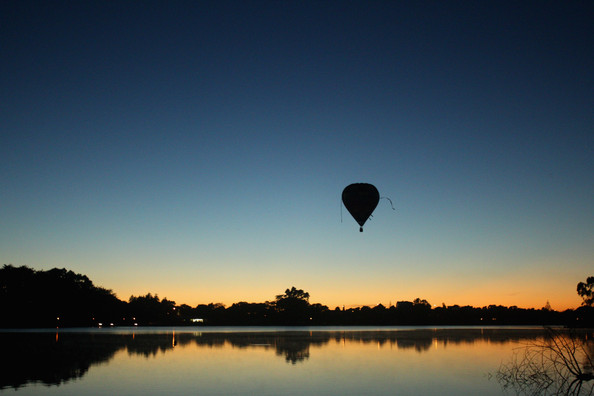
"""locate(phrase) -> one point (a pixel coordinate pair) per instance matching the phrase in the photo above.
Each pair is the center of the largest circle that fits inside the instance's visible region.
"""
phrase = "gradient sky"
(198, 149)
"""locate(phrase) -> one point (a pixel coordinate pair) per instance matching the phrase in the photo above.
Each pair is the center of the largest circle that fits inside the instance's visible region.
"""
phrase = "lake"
(267, 361)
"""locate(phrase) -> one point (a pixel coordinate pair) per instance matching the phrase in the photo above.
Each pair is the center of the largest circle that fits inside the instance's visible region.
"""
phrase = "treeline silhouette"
(62, 298)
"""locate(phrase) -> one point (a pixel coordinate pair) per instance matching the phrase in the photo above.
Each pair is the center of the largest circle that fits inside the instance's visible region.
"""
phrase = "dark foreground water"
(264, 361)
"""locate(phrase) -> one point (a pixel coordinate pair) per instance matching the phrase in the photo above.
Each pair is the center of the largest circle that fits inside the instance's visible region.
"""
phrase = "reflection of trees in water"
(422, 339)
(296, 349)
(148, 345)
(293, 353)
(293, 346)
(559, 364)
(52, 358)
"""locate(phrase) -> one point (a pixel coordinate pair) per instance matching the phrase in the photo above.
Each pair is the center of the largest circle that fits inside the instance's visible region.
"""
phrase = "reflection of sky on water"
(330, 362)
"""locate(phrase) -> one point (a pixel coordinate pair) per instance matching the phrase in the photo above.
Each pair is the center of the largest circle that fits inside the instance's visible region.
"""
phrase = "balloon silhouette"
(360, 199)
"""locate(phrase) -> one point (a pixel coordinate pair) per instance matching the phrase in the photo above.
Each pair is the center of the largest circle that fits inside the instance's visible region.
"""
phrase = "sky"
(198, 150)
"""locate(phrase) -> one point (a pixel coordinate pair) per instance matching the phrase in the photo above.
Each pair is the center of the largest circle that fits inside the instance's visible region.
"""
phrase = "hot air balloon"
(360, 199)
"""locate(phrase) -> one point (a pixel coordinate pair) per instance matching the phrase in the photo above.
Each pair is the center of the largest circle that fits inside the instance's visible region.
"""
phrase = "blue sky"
(198, 150)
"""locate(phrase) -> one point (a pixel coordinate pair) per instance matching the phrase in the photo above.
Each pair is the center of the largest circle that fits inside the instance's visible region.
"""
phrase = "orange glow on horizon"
(559, 301)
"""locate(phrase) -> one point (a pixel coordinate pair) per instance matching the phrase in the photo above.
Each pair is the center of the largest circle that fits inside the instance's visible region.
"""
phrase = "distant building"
(404, 305)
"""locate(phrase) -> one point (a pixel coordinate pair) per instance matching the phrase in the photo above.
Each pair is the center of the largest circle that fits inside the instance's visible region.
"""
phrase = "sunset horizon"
(353, 298)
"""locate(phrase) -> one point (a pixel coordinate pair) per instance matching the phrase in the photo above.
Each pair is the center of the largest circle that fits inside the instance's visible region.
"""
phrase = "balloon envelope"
(360, 199)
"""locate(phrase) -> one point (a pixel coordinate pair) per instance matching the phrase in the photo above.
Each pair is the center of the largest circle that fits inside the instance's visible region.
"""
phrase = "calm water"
(259, 361)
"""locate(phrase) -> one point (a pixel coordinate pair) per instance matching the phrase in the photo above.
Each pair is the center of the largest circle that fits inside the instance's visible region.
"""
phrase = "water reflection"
(54, 359)
(561, 363)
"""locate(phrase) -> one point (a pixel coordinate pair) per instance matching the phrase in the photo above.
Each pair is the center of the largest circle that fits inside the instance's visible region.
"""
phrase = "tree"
(421, 303)
(150, 309)
(293, 306)
(31, 298)
(294, 293)
(586, 291)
